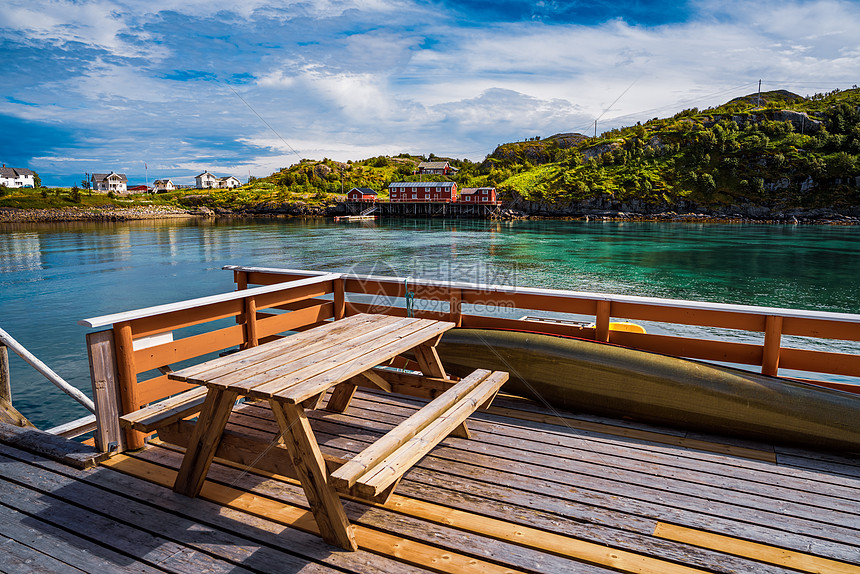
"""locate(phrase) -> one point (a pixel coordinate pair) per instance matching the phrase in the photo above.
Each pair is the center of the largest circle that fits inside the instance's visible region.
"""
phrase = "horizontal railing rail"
(774, 322)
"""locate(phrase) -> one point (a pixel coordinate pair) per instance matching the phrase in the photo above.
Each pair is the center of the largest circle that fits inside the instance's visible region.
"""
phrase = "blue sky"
(249, 86)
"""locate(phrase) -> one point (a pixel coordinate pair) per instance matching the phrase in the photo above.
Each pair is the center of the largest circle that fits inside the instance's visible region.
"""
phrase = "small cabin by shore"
(479, 195)
(423, 191)
(361, 194)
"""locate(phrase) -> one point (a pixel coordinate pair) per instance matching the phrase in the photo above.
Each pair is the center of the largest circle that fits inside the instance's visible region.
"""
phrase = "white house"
(162, 185)
(16, 177)
(206, 180)
(229, 182)
(115, 182)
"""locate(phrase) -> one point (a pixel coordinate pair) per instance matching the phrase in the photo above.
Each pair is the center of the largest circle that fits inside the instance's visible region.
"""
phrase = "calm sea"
(53, 275)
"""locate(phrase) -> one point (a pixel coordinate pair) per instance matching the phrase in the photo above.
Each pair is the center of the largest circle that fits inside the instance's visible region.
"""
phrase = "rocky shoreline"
(528, 211)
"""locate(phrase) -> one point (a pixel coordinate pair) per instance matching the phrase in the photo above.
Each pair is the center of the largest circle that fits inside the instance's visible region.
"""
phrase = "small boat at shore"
(610, 380)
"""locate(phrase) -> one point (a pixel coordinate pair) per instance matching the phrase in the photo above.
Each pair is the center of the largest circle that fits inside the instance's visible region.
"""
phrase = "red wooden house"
(479, 195)
(423, 191)
(361, 194)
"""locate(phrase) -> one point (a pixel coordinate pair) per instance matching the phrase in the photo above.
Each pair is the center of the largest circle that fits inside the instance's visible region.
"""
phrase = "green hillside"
(787, 152)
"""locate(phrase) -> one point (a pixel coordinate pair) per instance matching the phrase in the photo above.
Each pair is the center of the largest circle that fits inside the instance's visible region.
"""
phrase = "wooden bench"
(384, 463)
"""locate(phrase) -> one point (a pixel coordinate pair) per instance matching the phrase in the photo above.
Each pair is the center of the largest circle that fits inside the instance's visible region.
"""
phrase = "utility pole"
(595, 129)
(759, 93)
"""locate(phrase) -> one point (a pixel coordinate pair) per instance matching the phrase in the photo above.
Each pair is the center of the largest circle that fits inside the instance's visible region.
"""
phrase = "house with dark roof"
(361, 194)
(423, 191)
(436, 168)
(107, 182)
(479, 195)
(16, 177)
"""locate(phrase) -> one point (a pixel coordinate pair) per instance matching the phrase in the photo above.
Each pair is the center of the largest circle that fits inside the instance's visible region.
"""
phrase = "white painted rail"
(46, 371)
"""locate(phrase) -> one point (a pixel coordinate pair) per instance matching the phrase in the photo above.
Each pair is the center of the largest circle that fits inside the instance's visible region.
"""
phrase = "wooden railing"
(773, 322)
(129, 361)
(143, 341)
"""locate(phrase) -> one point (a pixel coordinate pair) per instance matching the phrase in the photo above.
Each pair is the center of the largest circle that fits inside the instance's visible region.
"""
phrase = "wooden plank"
(265, 539)
(210, 424)
(157, 388)
(188, 348)
(75, 428)
(52, 446)
(18, 558)
(347, 475)
(216, 550)
(231, 297)
(319, 338)
(153, 550)
(287, 368)
(296, 319)
(706, 349)
(390, 285)
(310, 466)
(756, 551)
(377, 541)
(510, 532)
(154, 416)
(820, 362)
(398, 462)
(73, 550)
(368, 355)
(106, 391)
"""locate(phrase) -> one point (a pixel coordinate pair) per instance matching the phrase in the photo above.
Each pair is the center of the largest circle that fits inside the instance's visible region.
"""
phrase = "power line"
(264, 121)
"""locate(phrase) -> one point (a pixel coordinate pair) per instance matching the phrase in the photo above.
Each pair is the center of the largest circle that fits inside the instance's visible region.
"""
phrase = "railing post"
(601, 321)
(456, 307)
(5, 377)
(772, 342)
(339, 298)
(127, 379)
(106, 391)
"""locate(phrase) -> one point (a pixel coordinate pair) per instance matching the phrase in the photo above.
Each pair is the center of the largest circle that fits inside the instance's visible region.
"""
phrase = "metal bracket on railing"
(410, 299)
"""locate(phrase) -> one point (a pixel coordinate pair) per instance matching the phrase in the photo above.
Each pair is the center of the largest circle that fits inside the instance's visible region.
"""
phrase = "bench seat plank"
(165, 412)
(347, 475)
(393, 466)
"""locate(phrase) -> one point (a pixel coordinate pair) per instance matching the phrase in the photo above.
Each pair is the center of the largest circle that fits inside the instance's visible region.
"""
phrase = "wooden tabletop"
(303, 365)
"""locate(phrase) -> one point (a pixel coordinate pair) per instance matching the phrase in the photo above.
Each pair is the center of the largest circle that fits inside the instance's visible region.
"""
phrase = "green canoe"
(587, 376)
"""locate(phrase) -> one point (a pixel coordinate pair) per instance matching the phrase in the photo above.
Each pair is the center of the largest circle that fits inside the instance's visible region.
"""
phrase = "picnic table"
(295, 373)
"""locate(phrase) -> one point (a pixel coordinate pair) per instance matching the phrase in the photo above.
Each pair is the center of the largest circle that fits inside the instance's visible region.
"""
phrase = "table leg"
(204, 441)
(429, 361)
(310, 467)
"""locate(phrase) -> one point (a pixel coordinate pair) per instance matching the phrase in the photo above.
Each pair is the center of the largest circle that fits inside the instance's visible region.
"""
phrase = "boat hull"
(587, 376)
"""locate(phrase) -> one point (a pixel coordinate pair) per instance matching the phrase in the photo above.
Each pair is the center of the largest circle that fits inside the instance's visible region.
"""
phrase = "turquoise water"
(53, 275)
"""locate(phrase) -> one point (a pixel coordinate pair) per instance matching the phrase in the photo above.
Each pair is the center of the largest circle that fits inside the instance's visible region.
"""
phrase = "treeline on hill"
(782, 150)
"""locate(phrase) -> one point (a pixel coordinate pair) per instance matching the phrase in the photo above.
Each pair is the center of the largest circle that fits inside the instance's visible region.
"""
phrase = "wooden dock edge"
(50, 446)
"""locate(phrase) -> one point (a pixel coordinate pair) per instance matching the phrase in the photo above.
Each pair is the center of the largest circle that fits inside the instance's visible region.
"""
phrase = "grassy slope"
(736, 153)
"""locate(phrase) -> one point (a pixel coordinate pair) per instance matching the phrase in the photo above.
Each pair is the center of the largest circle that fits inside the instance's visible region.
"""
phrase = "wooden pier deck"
(533, 490)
